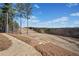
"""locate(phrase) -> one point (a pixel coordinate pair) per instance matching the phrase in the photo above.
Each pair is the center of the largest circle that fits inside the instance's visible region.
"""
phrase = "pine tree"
(6, 17)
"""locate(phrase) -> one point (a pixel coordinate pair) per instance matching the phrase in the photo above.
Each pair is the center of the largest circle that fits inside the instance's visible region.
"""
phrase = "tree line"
(8, 11)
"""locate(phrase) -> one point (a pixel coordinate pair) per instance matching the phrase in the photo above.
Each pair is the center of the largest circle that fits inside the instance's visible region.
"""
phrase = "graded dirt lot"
(50, 49)
(37, 44)
(5, 43)
(68, 43)
(17, 48)
(48, 44)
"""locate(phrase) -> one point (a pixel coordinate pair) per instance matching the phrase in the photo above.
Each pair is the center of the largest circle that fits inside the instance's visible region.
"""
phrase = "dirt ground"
(17, 48)
(50, 49)
(45, 48)
(39, 44)
(5, 43)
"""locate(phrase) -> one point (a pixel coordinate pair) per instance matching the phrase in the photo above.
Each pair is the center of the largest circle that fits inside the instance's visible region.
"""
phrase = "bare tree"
(25, 10)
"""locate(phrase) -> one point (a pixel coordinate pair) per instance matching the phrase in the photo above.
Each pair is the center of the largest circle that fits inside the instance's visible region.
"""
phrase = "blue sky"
(54, 15)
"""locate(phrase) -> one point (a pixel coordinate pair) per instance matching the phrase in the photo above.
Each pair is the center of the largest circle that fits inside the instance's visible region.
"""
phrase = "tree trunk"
(13, 28)
(7, 28)
(27, 26)
(20, 24)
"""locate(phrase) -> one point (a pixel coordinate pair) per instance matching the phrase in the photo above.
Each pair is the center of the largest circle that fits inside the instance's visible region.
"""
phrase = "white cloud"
(75, 14)
(58, 22)
(61, 19)
(54, 23)
(32, 22)
(71, 4)
(34, 19)
(76, 23)
(36, 6)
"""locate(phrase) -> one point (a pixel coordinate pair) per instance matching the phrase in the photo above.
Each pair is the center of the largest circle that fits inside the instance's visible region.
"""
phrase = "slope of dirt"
(18, 48)
(44, 47)
(5, 43)
(64, 42)
(50, 49)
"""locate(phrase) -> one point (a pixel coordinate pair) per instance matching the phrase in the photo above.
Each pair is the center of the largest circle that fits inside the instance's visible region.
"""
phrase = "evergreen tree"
(7, 14)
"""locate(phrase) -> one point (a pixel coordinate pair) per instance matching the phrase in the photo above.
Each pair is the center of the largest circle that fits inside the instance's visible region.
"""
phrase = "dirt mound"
(4, 43)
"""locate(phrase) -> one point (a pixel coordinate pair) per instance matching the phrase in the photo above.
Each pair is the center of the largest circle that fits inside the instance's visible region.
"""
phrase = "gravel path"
(18, 48)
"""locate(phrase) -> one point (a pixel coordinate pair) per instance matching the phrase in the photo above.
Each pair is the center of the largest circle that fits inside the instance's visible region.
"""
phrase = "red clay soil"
(47, 49)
